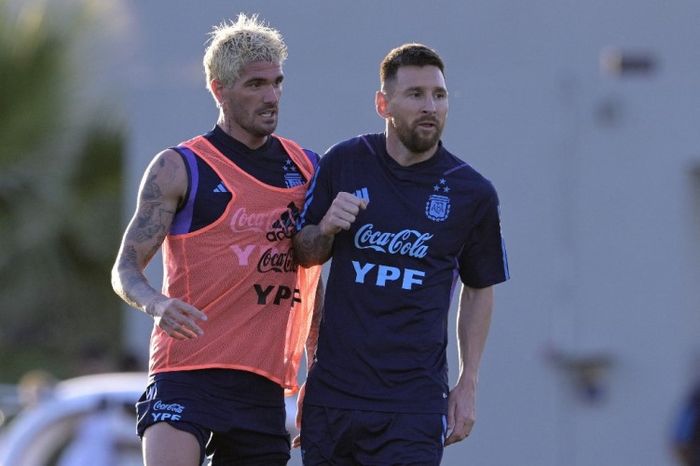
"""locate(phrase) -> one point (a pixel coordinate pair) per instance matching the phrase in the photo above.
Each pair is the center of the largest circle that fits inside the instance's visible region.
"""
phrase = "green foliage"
(31, 60)
(60, 205)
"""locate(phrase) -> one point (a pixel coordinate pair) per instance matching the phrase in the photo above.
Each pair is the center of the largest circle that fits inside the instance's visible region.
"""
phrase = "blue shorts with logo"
(237, 417)
(340, 437)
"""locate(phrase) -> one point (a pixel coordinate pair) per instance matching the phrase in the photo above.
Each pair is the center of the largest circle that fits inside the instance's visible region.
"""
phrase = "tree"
(60, 202)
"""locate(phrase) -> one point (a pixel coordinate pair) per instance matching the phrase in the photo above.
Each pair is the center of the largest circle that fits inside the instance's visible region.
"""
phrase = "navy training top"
(383, 336)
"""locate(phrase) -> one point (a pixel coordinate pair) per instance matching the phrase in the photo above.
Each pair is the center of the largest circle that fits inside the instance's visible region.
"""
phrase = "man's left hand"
(461, 414)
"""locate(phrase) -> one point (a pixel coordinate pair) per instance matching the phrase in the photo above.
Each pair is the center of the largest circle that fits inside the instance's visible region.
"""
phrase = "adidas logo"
(220, 189)
(285, 226)
(362, 193)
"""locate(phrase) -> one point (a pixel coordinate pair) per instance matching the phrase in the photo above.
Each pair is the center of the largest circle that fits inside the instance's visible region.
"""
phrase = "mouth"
(269, 113)
(427, 123)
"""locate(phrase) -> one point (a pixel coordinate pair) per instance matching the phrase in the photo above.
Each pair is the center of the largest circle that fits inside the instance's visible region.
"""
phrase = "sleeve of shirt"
(313, 157)
(686, 424)
(483, 261)
(685, 433)
(319, 195)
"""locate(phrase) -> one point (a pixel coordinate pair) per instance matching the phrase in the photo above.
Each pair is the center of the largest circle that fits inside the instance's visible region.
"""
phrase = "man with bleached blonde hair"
(235, 311)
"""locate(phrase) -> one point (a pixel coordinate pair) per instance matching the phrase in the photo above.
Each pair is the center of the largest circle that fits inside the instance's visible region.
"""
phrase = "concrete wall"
(600, 207)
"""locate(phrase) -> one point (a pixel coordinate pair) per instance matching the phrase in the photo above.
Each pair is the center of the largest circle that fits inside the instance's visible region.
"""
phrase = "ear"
(216, 89)
(381, 104)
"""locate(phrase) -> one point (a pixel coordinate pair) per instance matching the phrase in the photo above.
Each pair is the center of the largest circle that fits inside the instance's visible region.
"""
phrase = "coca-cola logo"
(277, 225)
(242, 220)
(273, 260)
(406, 242)
(172, 407)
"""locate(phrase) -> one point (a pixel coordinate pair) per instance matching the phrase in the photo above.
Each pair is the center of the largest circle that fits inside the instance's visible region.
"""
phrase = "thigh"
(164, 445)
(383, 439)
(326, 436)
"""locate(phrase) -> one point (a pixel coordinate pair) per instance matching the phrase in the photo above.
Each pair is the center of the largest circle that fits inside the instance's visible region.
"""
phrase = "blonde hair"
(235, 44)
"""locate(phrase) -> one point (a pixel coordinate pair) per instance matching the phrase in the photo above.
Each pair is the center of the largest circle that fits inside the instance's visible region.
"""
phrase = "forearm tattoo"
(133, 286)
(311, 247)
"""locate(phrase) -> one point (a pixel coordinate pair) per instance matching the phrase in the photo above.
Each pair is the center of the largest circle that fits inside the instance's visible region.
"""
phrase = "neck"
(403, 156)
(229, 127)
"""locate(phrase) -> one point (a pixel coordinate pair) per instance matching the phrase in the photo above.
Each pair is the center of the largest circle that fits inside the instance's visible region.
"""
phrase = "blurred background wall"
(583, 114)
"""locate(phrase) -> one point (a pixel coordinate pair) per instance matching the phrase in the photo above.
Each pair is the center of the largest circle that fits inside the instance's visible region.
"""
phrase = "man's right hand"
(341, 214)
(313, 244)
(176, 317)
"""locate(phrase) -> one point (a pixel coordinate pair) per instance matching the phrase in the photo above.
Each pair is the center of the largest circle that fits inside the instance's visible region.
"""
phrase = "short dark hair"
(408, 55)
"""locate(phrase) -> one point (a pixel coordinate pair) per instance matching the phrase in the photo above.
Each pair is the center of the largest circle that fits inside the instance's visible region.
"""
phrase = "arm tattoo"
(144, 236)
(130, 283)
(151, 190)
(151, 222)
(311, 247)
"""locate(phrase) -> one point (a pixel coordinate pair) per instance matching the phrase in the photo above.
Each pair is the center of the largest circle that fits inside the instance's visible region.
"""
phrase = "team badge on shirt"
(292, 177)
(437, 208)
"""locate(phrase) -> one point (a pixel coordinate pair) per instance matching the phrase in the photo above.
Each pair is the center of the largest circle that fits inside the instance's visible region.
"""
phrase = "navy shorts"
(237, 417)
(331, 436)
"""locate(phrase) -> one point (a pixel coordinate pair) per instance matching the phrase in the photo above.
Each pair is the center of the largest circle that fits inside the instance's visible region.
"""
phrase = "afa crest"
(437, 208)
(292, 180)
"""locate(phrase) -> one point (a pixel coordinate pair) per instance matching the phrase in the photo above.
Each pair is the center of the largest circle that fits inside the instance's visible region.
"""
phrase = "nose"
(272, 94)
(429, 105)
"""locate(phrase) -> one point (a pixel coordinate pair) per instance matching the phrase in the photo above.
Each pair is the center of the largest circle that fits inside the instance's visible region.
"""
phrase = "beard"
(409, 134)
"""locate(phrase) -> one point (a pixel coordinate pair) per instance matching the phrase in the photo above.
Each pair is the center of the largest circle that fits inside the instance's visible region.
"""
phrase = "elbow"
(120, 276)
(305, 264)
(304, 260)
(301, 255)
(116, 279)
(311, 247)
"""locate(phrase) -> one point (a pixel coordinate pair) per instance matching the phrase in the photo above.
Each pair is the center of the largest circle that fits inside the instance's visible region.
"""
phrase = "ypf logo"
(167, 411)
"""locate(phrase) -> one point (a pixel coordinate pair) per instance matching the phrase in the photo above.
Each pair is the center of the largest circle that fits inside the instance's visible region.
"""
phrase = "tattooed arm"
(313, 244)
(162, 189)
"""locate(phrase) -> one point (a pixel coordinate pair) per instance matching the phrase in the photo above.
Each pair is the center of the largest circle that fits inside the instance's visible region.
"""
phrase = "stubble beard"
(247, 123)
(259, 130)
